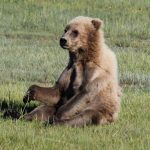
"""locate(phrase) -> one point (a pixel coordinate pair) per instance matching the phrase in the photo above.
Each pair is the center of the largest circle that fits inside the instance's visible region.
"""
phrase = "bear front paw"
(30, 94)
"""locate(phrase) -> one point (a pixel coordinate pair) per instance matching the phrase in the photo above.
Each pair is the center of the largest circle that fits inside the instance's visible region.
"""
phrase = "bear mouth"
(64, 46)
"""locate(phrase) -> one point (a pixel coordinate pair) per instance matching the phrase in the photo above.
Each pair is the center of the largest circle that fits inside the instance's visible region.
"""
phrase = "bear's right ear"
(97, 23)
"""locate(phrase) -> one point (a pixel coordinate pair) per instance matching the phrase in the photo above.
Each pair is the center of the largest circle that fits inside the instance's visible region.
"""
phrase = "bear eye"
(75, 33)
(65, 30)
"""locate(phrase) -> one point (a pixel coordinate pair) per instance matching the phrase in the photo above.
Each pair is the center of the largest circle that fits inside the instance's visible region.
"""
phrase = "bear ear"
(97, 23)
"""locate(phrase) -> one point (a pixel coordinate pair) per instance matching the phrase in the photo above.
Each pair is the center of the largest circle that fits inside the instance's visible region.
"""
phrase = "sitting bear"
(87, 92)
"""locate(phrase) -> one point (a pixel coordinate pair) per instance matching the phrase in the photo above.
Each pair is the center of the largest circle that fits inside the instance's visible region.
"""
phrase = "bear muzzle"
(63, 43)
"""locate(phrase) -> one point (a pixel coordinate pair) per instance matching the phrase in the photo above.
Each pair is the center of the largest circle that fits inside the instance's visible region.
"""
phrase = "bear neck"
(94, 47)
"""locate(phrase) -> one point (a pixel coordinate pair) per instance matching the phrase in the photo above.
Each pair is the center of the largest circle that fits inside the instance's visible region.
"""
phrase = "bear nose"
(63, 42)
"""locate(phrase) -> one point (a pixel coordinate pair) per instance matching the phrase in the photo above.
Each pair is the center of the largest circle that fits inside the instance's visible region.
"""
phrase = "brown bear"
(87, 92)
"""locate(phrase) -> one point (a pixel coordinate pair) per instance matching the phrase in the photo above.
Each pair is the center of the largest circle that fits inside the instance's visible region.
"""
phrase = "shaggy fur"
(87, 91)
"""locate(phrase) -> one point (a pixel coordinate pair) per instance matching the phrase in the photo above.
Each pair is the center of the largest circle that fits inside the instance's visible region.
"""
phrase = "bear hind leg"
(87, 117)
(41, 113)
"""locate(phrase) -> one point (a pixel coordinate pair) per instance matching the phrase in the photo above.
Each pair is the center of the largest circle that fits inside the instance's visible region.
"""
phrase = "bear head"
(79, 33)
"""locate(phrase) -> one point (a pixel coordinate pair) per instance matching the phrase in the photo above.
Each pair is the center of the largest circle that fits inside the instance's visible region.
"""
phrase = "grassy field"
(30, 54)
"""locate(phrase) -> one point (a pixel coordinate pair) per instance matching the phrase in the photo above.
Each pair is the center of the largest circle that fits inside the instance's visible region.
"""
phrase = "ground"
(30, 53)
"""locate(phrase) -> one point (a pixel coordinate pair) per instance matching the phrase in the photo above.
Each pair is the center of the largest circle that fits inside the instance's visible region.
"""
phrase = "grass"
(30, 54)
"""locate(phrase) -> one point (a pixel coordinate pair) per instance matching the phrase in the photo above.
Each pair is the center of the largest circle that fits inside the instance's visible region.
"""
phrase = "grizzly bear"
(87, 92)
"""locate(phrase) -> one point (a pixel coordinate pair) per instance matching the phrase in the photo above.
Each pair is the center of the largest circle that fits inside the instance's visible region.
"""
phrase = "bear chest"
(76, 80)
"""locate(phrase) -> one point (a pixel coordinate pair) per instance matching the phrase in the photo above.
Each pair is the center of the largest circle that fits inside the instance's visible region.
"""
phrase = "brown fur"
(87, 90)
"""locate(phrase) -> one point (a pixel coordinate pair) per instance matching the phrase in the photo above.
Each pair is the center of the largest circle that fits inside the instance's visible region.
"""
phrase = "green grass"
(30, 54)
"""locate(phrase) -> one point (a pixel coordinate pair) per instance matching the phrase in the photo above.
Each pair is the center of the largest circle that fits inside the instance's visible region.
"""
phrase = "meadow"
(30, 54)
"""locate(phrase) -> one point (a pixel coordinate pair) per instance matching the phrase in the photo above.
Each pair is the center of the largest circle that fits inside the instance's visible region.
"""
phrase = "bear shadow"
(13, 109)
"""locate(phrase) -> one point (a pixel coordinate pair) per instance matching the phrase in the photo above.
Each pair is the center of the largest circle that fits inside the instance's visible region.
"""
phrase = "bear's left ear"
(97, 23)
